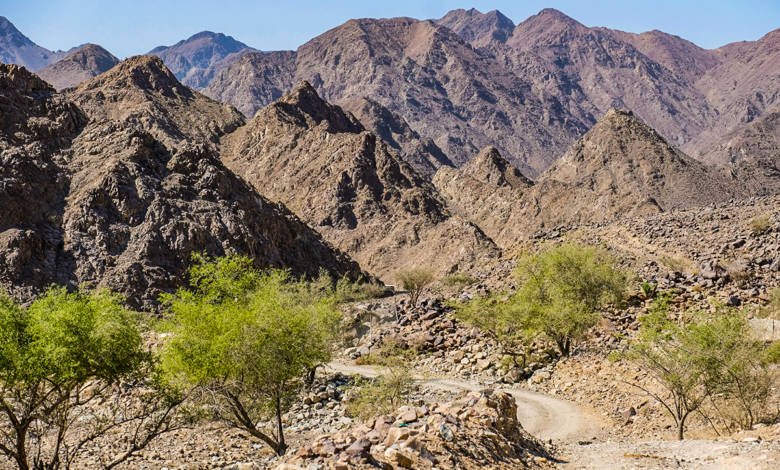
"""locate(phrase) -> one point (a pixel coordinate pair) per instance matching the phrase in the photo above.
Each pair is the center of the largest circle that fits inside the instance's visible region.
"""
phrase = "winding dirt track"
(543, 416)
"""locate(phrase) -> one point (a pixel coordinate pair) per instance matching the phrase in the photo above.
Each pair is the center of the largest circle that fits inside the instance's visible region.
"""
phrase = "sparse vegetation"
(59, 359)
(383, 394)
(348, 291)
(459, 280)
(414, 281)
(675, 264)
(707, 358)
(760, 225)
(561, 291)
(245, 341)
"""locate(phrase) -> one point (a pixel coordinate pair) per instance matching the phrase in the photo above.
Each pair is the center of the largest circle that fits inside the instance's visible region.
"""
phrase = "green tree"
(245, 341)
(706, 356)
(505, 320)
(415, 280)
(563, 288)
(60, 358)
(561, 291)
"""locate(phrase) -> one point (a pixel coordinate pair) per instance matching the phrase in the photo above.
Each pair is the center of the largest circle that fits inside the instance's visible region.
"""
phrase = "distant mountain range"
(378, 145)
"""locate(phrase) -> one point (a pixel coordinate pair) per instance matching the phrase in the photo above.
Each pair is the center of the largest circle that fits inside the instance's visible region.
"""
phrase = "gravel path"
(577, 433)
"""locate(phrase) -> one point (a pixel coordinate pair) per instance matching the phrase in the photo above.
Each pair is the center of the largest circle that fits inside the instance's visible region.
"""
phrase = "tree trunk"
(281, 445)
(681, 427)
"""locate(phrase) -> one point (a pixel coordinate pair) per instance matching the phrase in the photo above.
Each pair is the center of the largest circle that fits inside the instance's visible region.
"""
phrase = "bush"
(459, 280)
(382, 395)
(246, 340)
(415, 280)
(348, 291)
(760, 225)
(561, 291)
(710, 357)
(59, 359)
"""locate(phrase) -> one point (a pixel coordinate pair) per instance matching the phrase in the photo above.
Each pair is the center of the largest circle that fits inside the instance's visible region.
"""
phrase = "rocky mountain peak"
(140, 72)
(476, 27)
(18, 78)
(491, 168)
(82, 64)
(304, 103)
(16, 48)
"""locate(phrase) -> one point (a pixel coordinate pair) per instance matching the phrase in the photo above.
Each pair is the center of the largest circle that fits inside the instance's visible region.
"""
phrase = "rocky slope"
(16, 48)
(254, 80)
(744, 86)
(122, 198)
(484, 190)
(419, 69)
(758, 139)
(82, 64)
(421, 153)
(477, 28)
(196, 60)
(345, 182)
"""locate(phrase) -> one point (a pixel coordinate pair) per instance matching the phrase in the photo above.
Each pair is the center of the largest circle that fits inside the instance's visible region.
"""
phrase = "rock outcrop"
(119, 190)
(344, 181)
(82, 64)
(466, 433)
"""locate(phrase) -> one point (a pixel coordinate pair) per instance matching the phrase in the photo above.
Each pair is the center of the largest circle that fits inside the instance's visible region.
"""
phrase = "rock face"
(461, 99)
(484, 190)
(197, 59)
(759, 139)
(254, 80)
(345, 182)
(479, 29)
(84, 63)
(621, 167)
(126, 184)
(743, 87)
(16, 48)
(420, 152)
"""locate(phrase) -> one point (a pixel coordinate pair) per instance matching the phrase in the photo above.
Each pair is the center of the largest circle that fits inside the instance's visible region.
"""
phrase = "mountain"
(254, 80)
(421, 153)
(444, 89)
(321, 163)
(197, 59)
(484, 190)
(104, 186)
(742, 87)
(478, 28)
(621, 167)
(684, 58)
(82, 64)
(613, 73)
(16, 48)
(758, 139)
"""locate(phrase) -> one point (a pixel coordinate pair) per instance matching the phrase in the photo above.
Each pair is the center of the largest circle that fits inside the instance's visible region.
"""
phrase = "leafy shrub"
(459, 280)
(710, 357)
(561, 291)
(348, 291)
(649, 289)
(415, 280)
(245, 340)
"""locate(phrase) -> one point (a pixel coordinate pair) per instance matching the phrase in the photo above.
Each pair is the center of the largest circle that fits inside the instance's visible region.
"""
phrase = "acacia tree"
(563, 288)
(415, 280)
(244, 341)
(61, 363)
(705, 357)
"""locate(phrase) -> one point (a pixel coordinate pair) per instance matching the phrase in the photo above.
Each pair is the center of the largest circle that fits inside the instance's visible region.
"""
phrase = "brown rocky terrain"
(477, 28)
(344, 181)
(477, 101)
(126, 183)
(484, 190)
(197, 59)
(80, 65)
(419, 152)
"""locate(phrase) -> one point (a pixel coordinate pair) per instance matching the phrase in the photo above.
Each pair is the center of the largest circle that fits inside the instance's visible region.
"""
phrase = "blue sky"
(128, 27)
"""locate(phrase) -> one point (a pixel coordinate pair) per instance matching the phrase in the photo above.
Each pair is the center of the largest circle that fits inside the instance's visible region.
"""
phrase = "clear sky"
(129, 27)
